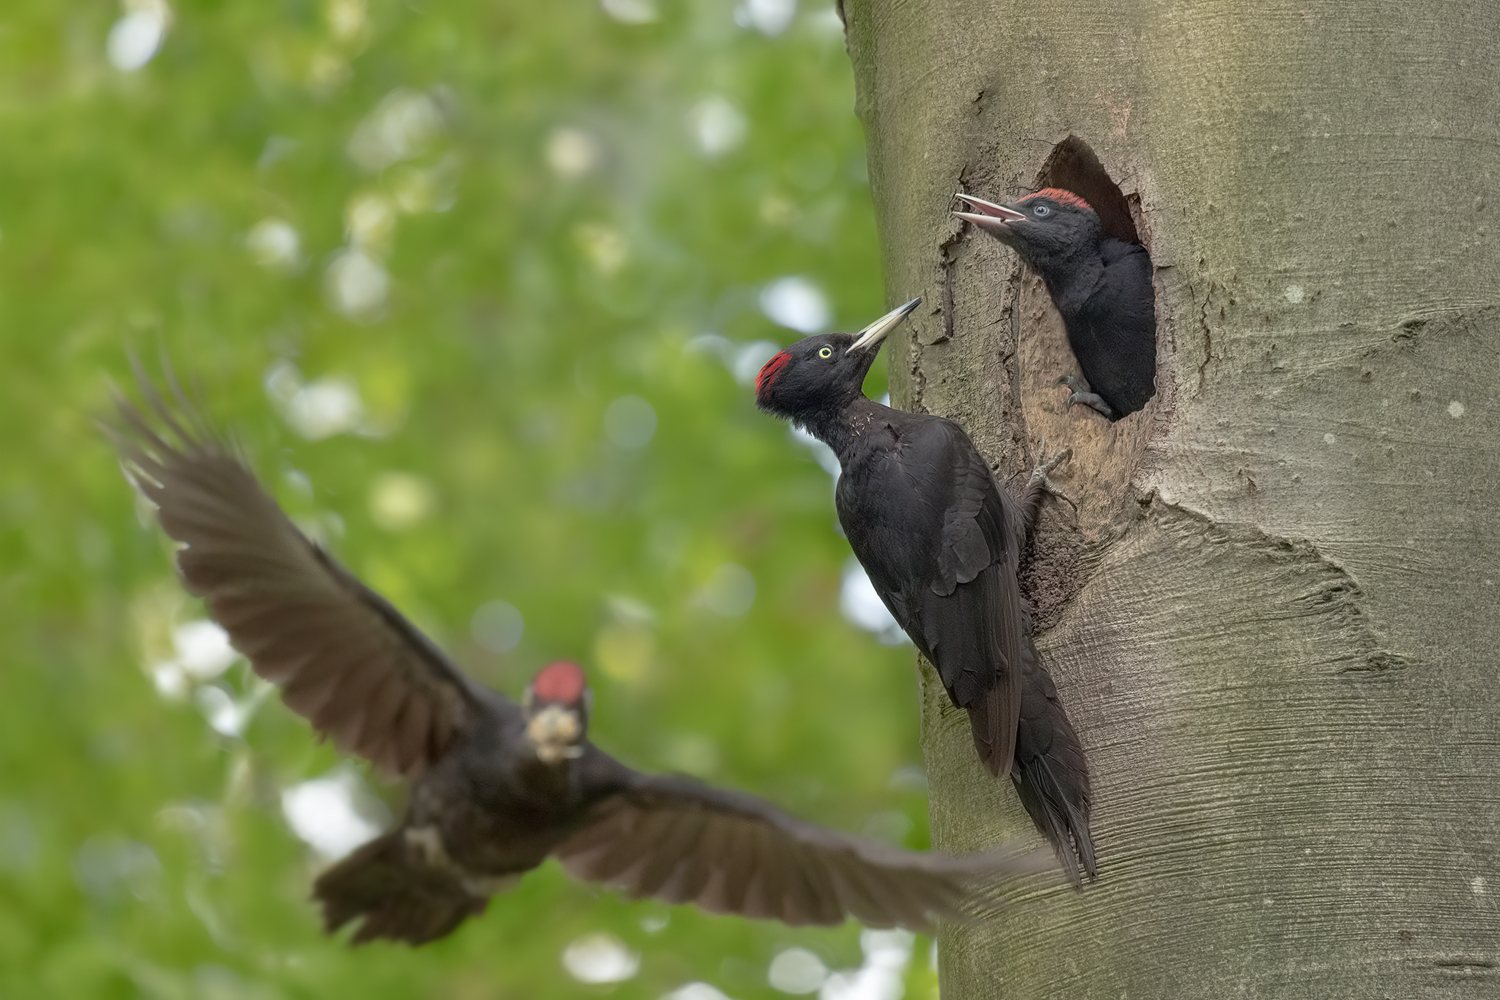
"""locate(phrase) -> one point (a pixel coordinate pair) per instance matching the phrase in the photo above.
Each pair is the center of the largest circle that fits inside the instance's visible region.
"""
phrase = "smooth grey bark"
(1275, 619)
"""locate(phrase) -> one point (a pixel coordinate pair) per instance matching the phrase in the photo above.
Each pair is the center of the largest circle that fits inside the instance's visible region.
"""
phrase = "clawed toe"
(1044, 465)
(1092, 400)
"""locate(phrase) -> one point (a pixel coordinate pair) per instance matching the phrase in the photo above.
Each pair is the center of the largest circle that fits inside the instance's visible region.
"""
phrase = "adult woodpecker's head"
(1046, 228)
(557, 712)
(826, 372)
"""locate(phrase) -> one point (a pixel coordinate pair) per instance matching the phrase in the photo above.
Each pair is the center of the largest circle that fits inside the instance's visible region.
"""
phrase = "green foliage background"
(515, 315)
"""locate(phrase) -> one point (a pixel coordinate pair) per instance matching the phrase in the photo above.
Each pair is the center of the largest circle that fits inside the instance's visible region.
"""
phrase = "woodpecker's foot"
(1040, 485)
(1079, 395)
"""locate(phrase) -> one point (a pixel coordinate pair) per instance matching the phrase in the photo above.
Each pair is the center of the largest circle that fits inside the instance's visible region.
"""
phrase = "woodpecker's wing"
(1113, 334)
(345, 658)
(974, 621)
(678, 840)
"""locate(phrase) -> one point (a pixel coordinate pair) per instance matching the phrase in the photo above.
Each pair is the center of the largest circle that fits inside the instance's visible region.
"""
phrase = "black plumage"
(941, 542)
(497, 787)
(1101, 286)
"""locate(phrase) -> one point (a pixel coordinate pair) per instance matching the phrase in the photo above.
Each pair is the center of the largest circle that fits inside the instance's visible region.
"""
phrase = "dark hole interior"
(1074, 167)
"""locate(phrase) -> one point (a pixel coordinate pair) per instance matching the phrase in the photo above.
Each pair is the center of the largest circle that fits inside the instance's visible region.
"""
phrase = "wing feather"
(345, 657)
(681, 841)
(974, 623)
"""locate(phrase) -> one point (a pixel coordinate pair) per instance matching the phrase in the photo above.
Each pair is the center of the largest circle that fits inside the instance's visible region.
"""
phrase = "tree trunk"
(1273, 620)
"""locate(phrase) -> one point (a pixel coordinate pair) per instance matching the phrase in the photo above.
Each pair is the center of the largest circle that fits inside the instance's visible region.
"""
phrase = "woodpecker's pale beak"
(987, 214)
(881, 328)
(555, 733)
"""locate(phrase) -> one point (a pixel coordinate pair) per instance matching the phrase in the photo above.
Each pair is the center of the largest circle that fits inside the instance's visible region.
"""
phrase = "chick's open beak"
(987, 214)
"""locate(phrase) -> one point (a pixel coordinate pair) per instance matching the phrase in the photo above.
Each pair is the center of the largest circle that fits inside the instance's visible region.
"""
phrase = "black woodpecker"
(496, 787)
(941, 542)
(1100, 285)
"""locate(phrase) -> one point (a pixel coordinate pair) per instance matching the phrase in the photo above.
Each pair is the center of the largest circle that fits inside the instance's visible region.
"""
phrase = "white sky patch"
(402, 126)
(356, 284)
(346, 19)
(324, 407)
(796, 303)
(600, 958)
(136, 38)
(317, 409)
(881, 977)
(170, 680)
(203, 649)
(400, 500)
(572, 152)
(769, 17)
(630, 422)
(717, 126)
(201, 652)
(696, 991)
(274, 244)
(333, 814)
(370, 222)
(862, 606)
(227, 715)
(630, 11)
(797, 971)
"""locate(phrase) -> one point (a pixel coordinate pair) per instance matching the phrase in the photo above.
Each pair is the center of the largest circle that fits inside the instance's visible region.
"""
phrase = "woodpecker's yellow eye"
(825, 352)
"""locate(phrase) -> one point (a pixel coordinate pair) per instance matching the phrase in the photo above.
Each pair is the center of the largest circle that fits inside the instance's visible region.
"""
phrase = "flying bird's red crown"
(770, 370)
(1061, 197)
(560, 682)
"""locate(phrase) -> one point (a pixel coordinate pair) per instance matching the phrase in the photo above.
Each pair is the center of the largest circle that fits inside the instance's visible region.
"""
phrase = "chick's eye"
(1041, 210)
(825, 352)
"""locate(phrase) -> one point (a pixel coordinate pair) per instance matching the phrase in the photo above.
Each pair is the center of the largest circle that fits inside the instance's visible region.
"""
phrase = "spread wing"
(345, 658)
(973, 620)
(681, 841)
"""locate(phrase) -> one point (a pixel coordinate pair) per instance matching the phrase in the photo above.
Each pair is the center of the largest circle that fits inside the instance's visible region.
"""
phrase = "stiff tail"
(991, 727)
(399, 895)
(1051, 774)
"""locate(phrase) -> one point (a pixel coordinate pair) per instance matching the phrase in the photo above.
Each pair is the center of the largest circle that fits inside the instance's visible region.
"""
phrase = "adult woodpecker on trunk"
(1100, 285)
(497, 787)
(941, 541)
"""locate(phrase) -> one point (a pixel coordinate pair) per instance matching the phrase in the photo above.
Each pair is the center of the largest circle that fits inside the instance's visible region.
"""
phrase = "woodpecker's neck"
(840, 428)
(1071, 281)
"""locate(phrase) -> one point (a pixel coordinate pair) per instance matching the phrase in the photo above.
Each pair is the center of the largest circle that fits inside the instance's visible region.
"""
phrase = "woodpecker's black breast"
(1112, 328)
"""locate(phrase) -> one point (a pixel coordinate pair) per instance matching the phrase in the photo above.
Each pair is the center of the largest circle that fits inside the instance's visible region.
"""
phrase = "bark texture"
(1275, 619)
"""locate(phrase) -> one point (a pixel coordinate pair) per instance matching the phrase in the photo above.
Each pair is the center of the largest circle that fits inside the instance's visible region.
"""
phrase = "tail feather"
(988, 723)
(1051, 774)
(398, 895)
